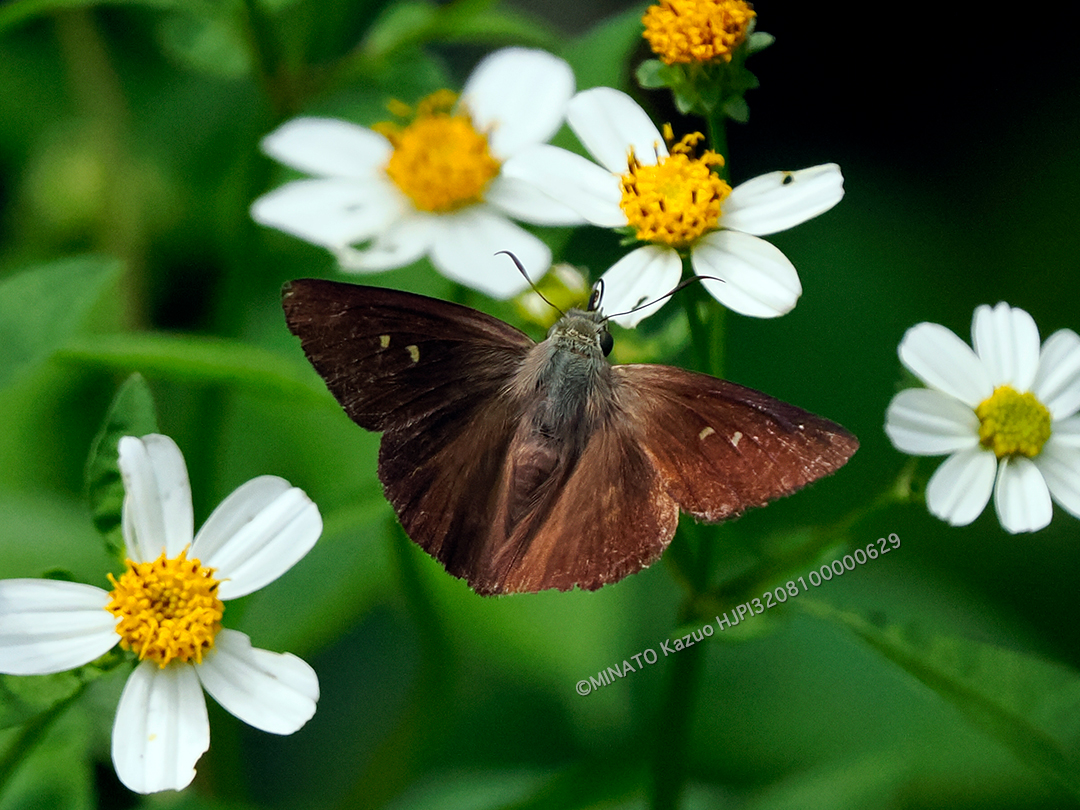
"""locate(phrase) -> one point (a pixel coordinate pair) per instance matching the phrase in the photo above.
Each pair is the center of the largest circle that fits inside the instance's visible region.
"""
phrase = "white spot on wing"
(384, 340)
(705, 433)
(736, 437)
(414, 352)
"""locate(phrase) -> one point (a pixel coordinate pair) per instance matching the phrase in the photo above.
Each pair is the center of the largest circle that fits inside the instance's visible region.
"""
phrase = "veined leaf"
(197, 358)
(1030, 705)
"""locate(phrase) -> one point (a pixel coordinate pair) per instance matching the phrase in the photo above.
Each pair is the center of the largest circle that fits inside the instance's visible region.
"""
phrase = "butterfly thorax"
(566, 378)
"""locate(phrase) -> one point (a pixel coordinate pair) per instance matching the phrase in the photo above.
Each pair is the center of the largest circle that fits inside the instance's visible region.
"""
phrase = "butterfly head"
(584, 331)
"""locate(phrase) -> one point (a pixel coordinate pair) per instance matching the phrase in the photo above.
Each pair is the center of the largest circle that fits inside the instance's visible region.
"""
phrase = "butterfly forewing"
(721, 447)
(392, 357)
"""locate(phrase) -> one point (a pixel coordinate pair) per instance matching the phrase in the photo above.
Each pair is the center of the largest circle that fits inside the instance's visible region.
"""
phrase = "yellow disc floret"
(168, 609)
(440, 161)
(677, 200)
(1013, 424)
(685, 31)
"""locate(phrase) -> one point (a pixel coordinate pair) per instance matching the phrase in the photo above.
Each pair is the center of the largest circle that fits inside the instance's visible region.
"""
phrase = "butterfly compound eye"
(607, 342)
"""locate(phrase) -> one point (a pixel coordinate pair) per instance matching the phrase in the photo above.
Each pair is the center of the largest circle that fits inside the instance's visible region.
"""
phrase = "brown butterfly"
(522, 466)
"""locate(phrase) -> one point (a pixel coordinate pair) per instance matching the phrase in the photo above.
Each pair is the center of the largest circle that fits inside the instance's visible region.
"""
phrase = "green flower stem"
(674, 726)
(423, 721)
(99, 94)
(796, 559)
(717, 134)
(24, 743)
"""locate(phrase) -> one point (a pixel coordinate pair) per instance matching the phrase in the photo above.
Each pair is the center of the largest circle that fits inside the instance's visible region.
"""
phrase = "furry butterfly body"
(523, 466)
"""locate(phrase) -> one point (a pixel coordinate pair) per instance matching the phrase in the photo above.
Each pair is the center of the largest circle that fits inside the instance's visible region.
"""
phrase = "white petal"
(274, 692)
(161, 728)
(1007, 341)
(519, 96)
(642, 275)
(927, 422)
(1057, 383)
(331, 213)
(157, 497)
(590, 190)
(1059, 463)
(960, 488)
(257, 534)
(609, 124)
(328, 147)
(400, 244)
(1021, 498)
(528, 203)
(758, 279)
(780, 200)
(943, 361)
(50, 625)
(465, 248)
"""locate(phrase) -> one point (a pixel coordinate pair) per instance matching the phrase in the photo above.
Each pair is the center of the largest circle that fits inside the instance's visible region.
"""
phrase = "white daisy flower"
(435, 187)
(675, 202)
(167, 608)
(1004, 413)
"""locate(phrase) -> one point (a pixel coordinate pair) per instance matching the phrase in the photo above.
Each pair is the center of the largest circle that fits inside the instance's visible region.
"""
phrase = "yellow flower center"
(1013, 424)
(684, 31)
(167, 609)
(440, 161)
(677, 200)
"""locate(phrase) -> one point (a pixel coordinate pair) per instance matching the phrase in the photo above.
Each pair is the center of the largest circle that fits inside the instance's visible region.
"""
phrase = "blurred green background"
(129, 131)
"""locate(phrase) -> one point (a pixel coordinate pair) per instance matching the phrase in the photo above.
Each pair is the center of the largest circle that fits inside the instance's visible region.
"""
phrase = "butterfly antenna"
(535, 289)
(681, 285)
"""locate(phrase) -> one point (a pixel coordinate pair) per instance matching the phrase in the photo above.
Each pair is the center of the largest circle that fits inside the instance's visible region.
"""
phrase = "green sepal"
(131, 413)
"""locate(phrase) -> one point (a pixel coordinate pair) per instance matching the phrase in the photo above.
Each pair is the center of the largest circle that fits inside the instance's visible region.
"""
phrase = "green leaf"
(20, 11)
(41, 308)
(401, 25)
(23, 697)
(1029, 705)
(599, 57)
(200, 359)
(130, 414)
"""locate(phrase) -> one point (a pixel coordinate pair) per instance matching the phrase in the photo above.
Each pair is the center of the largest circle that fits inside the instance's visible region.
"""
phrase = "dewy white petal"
(274, 692)
(1057, 383)
(157, 497)
(49, 625)
(402, 243)
(642, 275)
(465, 247)
(758, 279)
(257, 534)
(161, 728)
(332, 213)
(1007, 341)
(327, 147)
(609, 123)
(590, 190)
(1021, 498)
(519, 96)
(960, 488)
(927, 422)
(1059, 463)
(943, 361)
(525, 202)
(781, 200)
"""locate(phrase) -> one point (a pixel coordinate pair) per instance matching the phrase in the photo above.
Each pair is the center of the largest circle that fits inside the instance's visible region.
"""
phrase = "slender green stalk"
(674, 725)
(99, 94)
